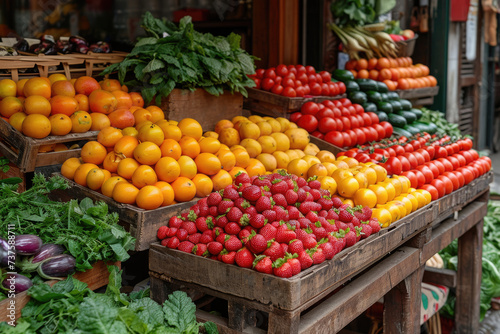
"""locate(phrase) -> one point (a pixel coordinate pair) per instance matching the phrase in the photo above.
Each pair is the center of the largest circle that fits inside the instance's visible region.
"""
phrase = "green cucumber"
(367, 84)
(370, 106)
(342, 75)
(396, 106)
(410, 117)
(397, 120)
(351, 86)
(413, 130)
(382, 87)
(430, 128)
(400, 132)
(358, 97)
(405, 104)
(382, 116)
(417, 112)
(393, 96)
(385, 97)
(374, 96)
(385, 107)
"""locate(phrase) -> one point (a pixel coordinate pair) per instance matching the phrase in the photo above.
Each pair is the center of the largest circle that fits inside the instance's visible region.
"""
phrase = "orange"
(347, 187)
(36, 104)
(311, 149)
(110, 85)
(284, 123)
(223, 124)
(414, 201)
(125, 146)
(265, 128)
(137, 99)
(20, 87)
(208, 163)
(363, 74)
(139, 126)
(184, 189)
(17, 120)
(121, 118)
(144, 175)
(421, 198)
(123, 99)
(127, 167)
(282, 159)
(383, 216)
(298, 167)
(393, 210)
(152, 133)
(129, 131)
(229, 136)
(221, 180)
(311, 160)
(328, 183)
(56, 77)
(189, 146)
(81, 172)
(249, 130)
(426, 194)
(108, 185)
(317, 169)
(299, 138)
(167, 169)
(381, 172)
(171, 148)
(81, 121)
(255, 118)
(236, 171)
(109, 136)
(111, 161)
(46, 148)
(147, 153)
(96, 177)
(125, 192)
(69, 167)
(209, 145)
(93, 152)
(275, 125)
(83, 102)
(60, 125)
(372, 63)
(325, 156)
(156, 113)
(383, 63)
(268, 160)
(371, 175)
(64, 88)
(242, 157)
(391, 191)
(63, 105)
(188, 167)
(167, 191)
(99, 121)
(102, 101)
(255, 167)
(268, 144)
(385, 74)
(170, 131)
(36, 126)
(237, 119)
(86, 85)
(362, 64)
(10, 105)
(190, 127)
(37, 86)
(362, 179)
(398, 187)
(406, 202)
(282, 141)
(149, 198)
(60, 147)
(403, 84)
(252, 146)
(204, 185)
(141, 115)
(227, 159)
(381, 192)
(365, 197)
(211, 134)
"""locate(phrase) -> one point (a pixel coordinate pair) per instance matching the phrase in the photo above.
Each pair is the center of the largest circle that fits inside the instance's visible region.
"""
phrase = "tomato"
(342, 88)
(259, 73)
(395, 165)
(325, 89)
(258, 83)
(479, 166)
(343, 102)
(354, 122)
(308, 122)
(440, 152)
(448, 185)
(448, 166)
(467, 144)
(474, 154)
(303, 78)
(432, 190)
(433, 168)
(380, 130)
(455, 147)
(335, 138)
(281, 70)
(300, 91)
(362, 157)
(391, 151)
(300, 68)
(360, 119)
(289, 92)
(288, 82)
(371, 133)
(358, 108)
(422, 142)
(328, 104)
(351, 153)
(292, 69)
(336, 112)
(473, 170)
(325, 112)
(412, 177)
(431, 150)
(360, 135)
(405, 164)
(374, 117)
(420, 178)
(449, 149)
(327, 124)
(270, 73)
(315, 88)
(317, 134)
(295, 116)
(419, 157)
(425, 154)
(278, 80)
(347, 123)
(412, 159)
(460, 177)
(454, 161)
(439, 165)
(428, 174)
(297, 83)
(453, 179)
(267, 84)
(408, 148)
(402, 139)
(416, 144)
(345, 111)
(467, 155)
(334, 88)
(440, 187)
(326, 76)
(399, 150)
(319, 78)
(467, 174)
(388, 128)
(277, 89)
(347, 139)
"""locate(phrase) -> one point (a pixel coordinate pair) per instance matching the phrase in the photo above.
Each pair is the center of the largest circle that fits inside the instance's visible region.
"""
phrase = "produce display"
(342, 123)
(109, 312)
(277, 224)
(49, 46)
(296, 81)
(184, 59)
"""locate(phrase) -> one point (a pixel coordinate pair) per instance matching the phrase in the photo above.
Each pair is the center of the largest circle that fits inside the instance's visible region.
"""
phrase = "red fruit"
(221, 221)
(268, 231)
(306, 207)
(350, 238)
(270, 215)
(194, 238)
(200, 250)
(263, 264)
(257, 221)
(279, 199)
(186, 246)
(309, 242)
(175, 221)
(173, 243)
(189, 226)
(214, 247)
(227, 257)
(279, 187)
(258, 243)
(234, 214)
(203, 223)
(345, 216)
(181, 234)
(305, 260)
(280, 213)
(366, 230)
(252, 193)
(274, 251)
(232, 228)
(328, 250)
(326, 204)
(293, 212)
(214, 199)
(206, 237)
(244, 258)
(224, 206)
(285, 234)
(162, 232)
(232, 243)
(295, 265)
(263, 203)
(318, 256)
(282, 268)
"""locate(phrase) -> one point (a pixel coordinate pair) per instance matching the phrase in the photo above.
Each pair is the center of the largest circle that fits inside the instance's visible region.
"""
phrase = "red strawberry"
(375, 225)
(332, 215)
(252, 193)
(202, 202)
(171, 232)
(232, 243)
(182, 234)
(164, 241)
(204, 211)
(221, 238)
(244, 220)
(284, 248)
(214, 199)
(251, 211)
(224, 206)
(258, 243)
(355, 221)
(184, 216)
(270, 215)
(230, 193)
(281, 213)
(326, 203)
(263, 264)
(350, 238)
(268, 231)
(244, 258)
(276, 223)
(258, 221)
(241, 203)
(330, 226)
(194, 238)
(323, 213)
(282, 268)
(295, 247)
(262, 181)
(227, 257)
(189, 226)
(206, 237)
(194, 211)
(366, 230)
(291, 197)
(203, 224)
(221, 221)
(317, 255)
(293, 212)
(274, 251)
(213, 211)
(244, 234)
(366, 214)
(173, 243)
(285, 234)
(345, 215)
(241, 178)
(309, 242)
(314, 184)
(319, 230)
(328, 250)
(214, 247)
(341, 225)
(316, 194)
(301, 195)
(294, 263)
(232, 228)
(200, 250)
(162, 232)
(312, 216)
(304, 222)
(279, 199)
(337, 202)
(301, 234)
(175, 221)
(185, 246)
(234, 214)
(291, 184)
(305, 260)
(305, 207)
(301, 182)
(358, 233)
(279, 186)
(263, 203)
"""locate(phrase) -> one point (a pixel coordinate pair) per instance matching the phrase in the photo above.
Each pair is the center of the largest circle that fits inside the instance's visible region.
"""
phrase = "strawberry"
(309, 242)
(234, 214)
(242, 186)
(326, 203)
(345, 215)
(304, 222)
(251, 211)
(316, 194)
(241, 178)
(203, 224)
(294, 263)
(252, 193)
(194, 238)
(244, 258)
(375, 225)
(314, 184)
(309, 198)
(202, 202)
(165, 241)
(340, 225)
(306, 188)
(221, 221)
(301, 234)
(263, 264)
(214, 199)
(262, 181)
(189, 226)
(311, 215)
(241, 203)
(230, 193)
(232, 228)
(294, 223)
(258, 243)
(185, 246)
(319, 230)
(358, 232)
(291, 184)
(184, 216)
(295, 246)
(172, 231)
(323, 213)
(317, 255)
(213, 211)
(214, 247)
(221, 238)
(279, 199)
(301, 195)
(355, 221)
(327, 248)
(276, 223)
(366, 230)
(330, 226)
(224, 206)
(258, 220)
(227, 257)
(173, 243)
(301, 182)
(291, 197)
(204, 210)
(244, 220)
(216, 231)
(350, 238)
(206, 237)
(281, 213)
(270, 215)
(278, 186)
(232, 243)
(305, 207)
(332, 215)
(284, 248)
(244, 234)
(175, 221)
(282, 268)
(268, 231)
(337, 202)
(182, 234)
(194, 211)
(305, 260)
(285, 234)
(263, 203)
(162, 232)
(293, 212)
(274, 251)
(200, 250)
(366, 214)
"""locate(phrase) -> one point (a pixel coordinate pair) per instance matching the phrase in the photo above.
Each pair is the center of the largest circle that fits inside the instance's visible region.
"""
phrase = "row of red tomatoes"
(297, 81)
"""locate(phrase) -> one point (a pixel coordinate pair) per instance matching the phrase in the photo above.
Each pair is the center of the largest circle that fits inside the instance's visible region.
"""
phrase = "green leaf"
(153, 65)
(115, 284)
(148, 311)
(146, 41)
(179, 311)
(210, 328)
(97, 316)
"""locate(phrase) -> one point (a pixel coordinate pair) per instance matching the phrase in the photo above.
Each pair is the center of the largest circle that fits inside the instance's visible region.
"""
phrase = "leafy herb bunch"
(180, 57)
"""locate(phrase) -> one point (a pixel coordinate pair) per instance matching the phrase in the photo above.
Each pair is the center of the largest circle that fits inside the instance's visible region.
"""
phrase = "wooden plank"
(95, 278)
(470, 250)
(336, 312)
(222, 324)
(402, 305)
(418, 92)
(281, 322)
(446, 277)
(324, 145)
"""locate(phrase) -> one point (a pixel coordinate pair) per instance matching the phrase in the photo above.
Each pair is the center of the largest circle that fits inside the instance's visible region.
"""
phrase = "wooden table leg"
(402, 305)
(282, 322)
(470, 250)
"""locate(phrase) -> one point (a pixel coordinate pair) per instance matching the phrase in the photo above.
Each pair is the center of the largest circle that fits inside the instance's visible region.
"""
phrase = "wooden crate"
(14, 171)
(419, 96)
(207, 109)
(324, 145)
(95, 278)
(25, 153)
(290, 297)
(142, 224)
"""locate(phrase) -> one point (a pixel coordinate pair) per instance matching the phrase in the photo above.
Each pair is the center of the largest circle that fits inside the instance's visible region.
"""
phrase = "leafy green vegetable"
(359, 12)
(184, 59)
(438, 118)
(85, 229)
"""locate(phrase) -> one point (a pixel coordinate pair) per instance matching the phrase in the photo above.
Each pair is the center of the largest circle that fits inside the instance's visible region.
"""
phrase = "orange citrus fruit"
(221, 180)
(126, 168)
(10, 105)
(147, 153)
(81, 172)
(108, 185)
(208, 163)
(99, 121)
(60, 125)
(184, 189)
(125, 192)
(69, 167)
(188, 166)
(36, 126)
(125, 146)
(167, 191)
(86, 85)
(167, 169)
(36, 104)
(204, 185)
(81, 121)
(93, 152)
(171, 148)
(64, 88)
(190, 127)
(149, 198)
(37, 86)
(144, 175)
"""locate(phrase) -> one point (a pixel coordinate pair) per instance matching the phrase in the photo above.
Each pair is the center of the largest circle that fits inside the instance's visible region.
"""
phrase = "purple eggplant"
(17, 283)
(57, 267)
(28, 244)
(4, 253)
(29, 264)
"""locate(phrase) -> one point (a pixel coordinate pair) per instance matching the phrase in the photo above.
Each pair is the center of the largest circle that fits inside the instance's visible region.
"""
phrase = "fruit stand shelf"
(419, 96)
(410, 241)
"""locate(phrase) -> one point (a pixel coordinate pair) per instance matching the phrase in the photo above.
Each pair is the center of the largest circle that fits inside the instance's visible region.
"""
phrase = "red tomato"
(334, 88)
(425, 154)
(440, 152)
(303, 78)
(420, 177)
(297, 83)
(455, 147)
(315, 88)
(399, 149)
(308, 122)
(388, 128)
(467, 155)
(431, 150)
(259, 73)
(335, 138)
(474, 154)
(345, 111)
(258, 83)
(453, 179)
(327, 124)
(289, 92)
(487, 162)
(309, 108)
(362, 157)
(420, 158)
(371, 133)
(391, 151)
(412, 159)
(460, 177)
(325, 112)
(347, 123)
(380, 130)
(360, 119)
(439, 165)
(270, 73)
(281, 70)
(360, 135)
(354, 121)
(428, 174)
(300, 68)
(267, 84)
(300, 91)
(405, 164)
(467, 173)
(328, 104)
(467, 144)
(277, 89)
(354, 138)
(454, 161)
(449, 149)
(432, 190)
(347, 139)
(295, 116)
(395, 165)
(412, 177)
(422, 142)
(288, 82)
(448, 166)
(433, 168)
(358, 108)
(440, 187)
(327, 77)
(374, 117)
(448, 185)
(325, 89)
(342, 88)
(408, 148)
(367, 119)
(317, 134)
(416, 144)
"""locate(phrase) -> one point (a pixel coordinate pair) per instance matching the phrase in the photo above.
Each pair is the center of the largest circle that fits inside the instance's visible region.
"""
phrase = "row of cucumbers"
(375, 97)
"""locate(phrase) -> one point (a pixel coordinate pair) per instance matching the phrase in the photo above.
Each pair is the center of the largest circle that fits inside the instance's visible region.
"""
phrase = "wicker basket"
(405, 48)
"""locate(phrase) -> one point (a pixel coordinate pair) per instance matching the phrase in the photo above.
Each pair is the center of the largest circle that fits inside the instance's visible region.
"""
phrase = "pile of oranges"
(39, 107)
(396, 73)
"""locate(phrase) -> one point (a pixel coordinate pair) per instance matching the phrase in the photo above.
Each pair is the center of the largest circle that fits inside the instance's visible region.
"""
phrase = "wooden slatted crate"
(419, 96)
